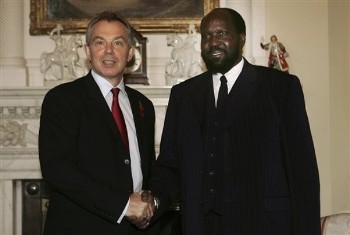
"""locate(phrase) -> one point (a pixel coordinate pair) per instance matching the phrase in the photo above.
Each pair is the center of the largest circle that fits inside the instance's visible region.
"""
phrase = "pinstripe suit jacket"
(84, 160)
(270, 176)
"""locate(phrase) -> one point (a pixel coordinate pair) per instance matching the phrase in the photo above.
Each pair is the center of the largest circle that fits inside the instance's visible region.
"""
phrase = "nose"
(214, 40)
(109, 48)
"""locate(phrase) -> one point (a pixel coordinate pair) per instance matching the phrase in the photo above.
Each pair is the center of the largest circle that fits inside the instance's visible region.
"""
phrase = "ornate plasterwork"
(13, 133)
(23, 112)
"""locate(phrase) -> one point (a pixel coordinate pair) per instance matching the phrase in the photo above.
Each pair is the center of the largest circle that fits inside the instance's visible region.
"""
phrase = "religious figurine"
(278, 54)
(185, 61)
(63, 62)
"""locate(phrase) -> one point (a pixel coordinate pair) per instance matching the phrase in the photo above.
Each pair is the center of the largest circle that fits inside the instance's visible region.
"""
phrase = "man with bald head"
(236, 147)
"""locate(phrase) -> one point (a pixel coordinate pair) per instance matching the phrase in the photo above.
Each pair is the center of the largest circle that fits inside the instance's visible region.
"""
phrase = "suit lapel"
(241, 93)
(137, 108)
(203, 98)
(98, 103)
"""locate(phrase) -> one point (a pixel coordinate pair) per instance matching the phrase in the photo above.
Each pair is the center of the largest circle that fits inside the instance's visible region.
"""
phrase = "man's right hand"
(140, 210)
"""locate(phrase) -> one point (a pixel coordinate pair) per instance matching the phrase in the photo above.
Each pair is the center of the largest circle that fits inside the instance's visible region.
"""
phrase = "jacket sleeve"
(300, 160)
(165, 179)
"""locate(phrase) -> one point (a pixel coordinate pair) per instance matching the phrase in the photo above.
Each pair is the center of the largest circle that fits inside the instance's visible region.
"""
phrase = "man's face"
(221, 45)
(108, 50)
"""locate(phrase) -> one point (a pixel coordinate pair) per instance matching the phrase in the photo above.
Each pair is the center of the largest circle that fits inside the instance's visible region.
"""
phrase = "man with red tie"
(96, 141)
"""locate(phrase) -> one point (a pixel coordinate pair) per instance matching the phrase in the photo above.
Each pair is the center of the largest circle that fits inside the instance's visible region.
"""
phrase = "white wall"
(339, 76)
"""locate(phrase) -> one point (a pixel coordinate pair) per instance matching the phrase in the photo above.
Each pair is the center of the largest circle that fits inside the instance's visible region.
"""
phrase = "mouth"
(108, 62)
(216, 53)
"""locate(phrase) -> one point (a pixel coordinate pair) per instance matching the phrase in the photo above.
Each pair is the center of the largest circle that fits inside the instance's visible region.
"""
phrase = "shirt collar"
(231, 75)
(105, 86)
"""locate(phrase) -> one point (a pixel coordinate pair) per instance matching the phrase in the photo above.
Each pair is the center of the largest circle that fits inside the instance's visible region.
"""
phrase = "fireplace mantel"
(20, 110)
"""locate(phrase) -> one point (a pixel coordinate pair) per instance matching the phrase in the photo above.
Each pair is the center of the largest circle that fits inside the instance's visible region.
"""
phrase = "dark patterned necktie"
(119, 118)
(222, 93)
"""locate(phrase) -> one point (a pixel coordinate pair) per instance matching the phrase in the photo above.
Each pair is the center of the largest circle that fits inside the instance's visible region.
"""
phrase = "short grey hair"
(110, 16)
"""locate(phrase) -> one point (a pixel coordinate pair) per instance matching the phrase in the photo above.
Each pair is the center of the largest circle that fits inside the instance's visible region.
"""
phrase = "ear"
(131, 53)
(87, 51)
(242, 40)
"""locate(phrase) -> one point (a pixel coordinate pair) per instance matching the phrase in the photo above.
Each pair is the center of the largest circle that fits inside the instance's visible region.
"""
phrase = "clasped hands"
(141, 209)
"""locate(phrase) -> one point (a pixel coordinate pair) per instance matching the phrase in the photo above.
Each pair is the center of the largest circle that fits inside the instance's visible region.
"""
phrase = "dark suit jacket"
(269, 172)
(84, 161)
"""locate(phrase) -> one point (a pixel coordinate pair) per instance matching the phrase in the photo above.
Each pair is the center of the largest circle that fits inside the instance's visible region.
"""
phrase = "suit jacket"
(84, 161)
(269, 171)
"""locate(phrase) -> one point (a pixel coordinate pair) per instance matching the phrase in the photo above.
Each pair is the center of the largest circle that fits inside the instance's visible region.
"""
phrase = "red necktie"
(119, 118)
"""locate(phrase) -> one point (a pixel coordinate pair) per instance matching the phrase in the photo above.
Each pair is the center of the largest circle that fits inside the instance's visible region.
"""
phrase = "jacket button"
(126, 161)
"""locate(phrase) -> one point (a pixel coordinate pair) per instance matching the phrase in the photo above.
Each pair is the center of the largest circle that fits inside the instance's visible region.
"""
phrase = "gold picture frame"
(74, 15)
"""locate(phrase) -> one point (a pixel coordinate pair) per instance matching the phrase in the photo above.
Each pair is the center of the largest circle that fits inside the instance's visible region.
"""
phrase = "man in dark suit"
(236, 146)
(95, 168)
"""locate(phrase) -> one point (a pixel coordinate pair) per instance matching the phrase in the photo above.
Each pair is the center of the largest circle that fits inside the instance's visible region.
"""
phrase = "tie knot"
(115, 91)
(223, 80)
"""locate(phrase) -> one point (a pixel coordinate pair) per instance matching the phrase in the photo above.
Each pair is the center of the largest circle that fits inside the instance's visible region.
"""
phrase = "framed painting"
(146, 16)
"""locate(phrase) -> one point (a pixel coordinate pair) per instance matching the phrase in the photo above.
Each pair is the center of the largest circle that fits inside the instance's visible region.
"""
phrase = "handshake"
(141, 208)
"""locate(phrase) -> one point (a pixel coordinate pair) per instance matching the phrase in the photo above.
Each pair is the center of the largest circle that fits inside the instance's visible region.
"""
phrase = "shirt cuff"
(124, 212)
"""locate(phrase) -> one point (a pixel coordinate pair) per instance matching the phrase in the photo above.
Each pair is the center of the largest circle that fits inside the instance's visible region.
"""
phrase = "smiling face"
(109, 50)
(221, 44)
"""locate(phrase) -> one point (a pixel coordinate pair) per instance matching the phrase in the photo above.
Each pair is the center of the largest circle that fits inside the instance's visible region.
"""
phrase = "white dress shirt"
(125, 106)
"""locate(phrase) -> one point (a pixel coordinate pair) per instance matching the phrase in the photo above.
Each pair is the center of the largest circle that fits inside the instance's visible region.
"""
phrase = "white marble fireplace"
(19, 124)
